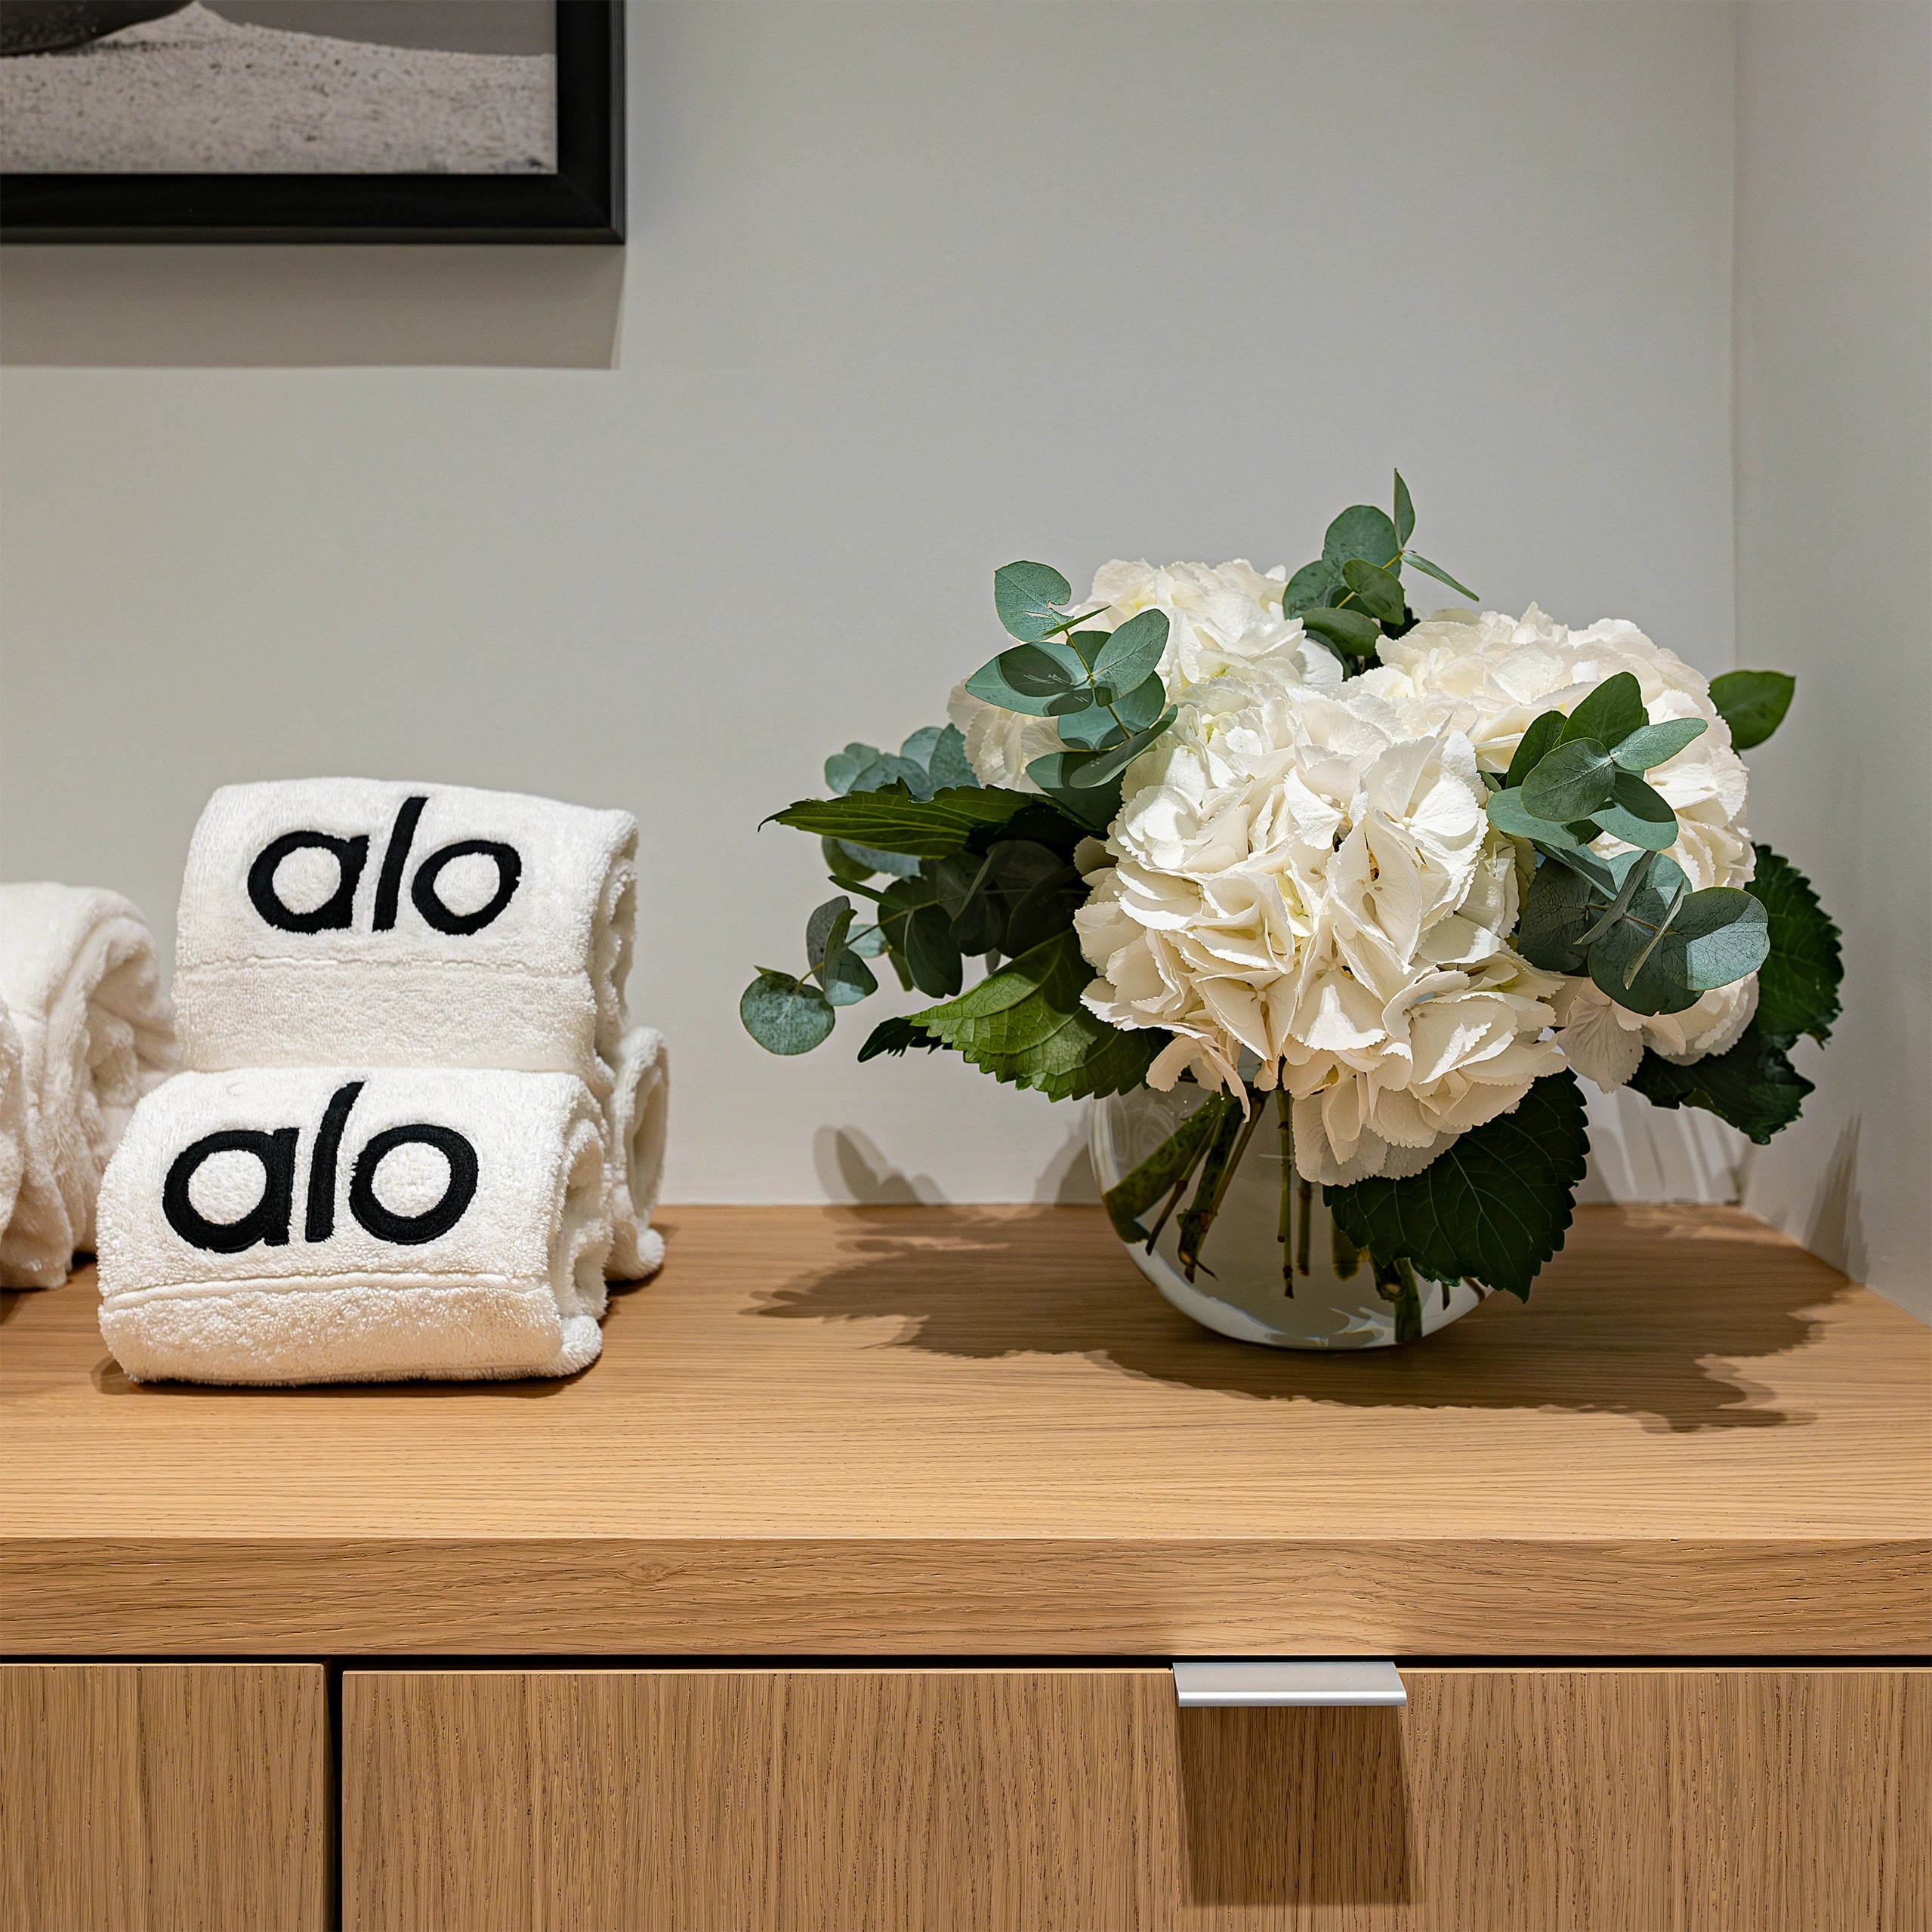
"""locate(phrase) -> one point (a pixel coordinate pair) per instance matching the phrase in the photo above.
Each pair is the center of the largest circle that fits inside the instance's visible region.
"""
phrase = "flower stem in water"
(1284, 1233)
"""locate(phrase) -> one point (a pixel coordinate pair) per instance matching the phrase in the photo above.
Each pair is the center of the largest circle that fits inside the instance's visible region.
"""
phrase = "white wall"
(1834, 582)
(912, 290)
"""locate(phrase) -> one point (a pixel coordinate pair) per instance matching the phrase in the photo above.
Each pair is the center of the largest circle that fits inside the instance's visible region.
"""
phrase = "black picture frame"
(582, 202)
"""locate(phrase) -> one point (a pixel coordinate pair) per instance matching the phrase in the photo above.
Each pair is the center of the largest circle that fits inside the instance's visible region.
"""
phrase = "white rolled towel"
(381, 1224)
(13, 1116)
(82, 984)
(634, 1153)
(334, 921)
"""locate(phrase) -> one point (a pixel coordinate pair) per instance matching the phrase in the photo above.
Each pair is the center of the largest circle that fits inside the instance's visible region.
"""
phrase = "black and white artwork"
(282, 119)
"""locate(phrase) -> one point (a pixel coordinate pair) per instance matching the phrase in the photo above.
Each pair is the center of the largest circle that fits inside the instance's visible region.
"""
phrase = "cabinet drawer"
(164, 1797)
(872, 1800)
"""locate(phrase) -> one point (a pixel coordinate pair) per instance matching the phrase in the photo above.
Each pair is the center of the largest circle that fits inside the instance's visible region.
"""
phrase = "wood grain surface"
(1082, 1800)
(977, 1430)
(164, 1797)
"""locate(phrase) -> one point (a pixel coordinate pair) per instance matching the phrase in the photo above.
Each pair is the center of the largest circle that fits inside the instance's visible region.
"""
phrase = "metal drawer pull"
(1345, 1681)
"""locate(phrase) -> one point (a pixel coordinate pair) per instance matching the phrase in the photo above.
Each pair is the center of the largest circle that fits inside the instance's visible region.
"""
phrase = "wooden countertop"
(977, 1430)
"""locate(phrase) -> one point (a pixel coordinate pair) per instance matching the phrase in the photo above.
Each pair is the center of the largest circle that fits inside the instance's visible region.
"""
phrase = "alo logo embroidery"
(337, 913)
(267, 1221)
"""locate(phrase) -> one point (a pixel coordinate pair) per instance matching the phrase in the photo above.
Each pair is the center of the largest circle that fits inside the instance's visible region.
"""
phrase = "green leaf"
(931, 955)
(1044, 910)
(1132, 654)
(784, 1015)
(1099, 768)
(1570, 783)
(1536, 745)
(948, 766)
(1377, 591)
(976, 924)
(1362, 531)
(1148, 1185)
(1139, 708)
(1405, 512)
(1093, 809)
(1753, 1086)
(1712, 938)
(1610, 713)
(1508, 813)
(1653, 745)
(1030, 678)
(1493, 1205)
(1025, 1024)
(1637, 815)
(1798, 985)
(1025, 595)
(826, 930)
(892, 820)
(1348, 629)
(1556, 911)
(842, 767)
(1753, 703)
(897, 1035)
(1313, 585)
(847, 979)
(1441, 575)
(1090, 729)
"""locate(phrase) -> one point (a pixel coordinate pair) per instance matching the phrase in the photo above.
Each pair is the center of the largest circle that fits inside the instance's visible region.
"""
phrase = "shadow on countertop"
(1666, 1335)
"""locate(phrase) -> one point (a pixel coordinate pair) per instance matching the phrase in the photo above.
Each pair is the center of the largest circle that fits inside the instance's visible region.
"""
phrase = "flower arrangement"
(1399, 880)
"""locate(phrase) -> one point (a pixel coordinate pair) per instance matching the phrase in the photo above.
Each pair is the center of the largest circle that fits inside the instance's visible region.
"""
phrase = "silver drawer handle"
(1350, 1682)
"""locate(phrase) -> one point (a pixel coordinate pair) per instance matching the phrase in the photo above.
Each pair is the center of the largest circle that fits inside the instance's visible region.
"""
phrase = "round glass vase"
(1286, 1279)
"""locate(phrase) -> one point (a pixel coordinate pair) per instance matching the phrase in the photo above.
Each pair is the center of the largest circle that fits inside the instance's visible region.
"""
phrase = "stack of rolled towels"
(417, 1134)
(85, 1031)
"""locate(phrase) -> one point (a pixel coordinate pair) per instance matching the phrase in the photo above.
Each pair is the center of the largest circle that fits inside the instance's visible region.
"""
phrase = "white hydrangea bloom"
(1489, 676)
(1220, 618)
(1302, 877)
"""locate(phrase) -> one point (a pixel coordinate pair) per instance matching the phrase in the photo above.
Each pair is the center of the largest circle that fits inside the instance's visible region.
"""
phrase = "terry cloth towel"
(327, 1225)
(634, 1153)
(12, 1116)
(82, 986)
(349, 921)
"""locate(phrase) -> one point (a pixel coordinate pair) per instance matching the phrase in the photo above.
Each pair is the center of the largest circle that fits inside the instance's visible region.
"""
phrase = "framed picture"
(311, 120)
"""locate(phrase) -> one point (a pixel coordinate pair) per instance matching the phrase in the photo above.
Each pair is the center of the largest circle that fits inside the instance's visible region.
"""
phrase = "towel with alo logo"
(311, 1225)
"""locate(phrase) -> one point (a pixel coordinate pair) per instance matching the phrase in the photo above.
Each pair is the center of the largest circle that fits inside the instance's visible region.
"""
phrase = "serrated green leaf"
(1753, 703)
(1377, 591)
(1441, 575)
(1637, 815)
(1610, 713)
(1025, 595)
(1361, 531)
(1536, 745)
(1025, 1024)
(1348, 630)
(1798, 985)
(1655, 745)
(1133, 653)
(1405, 512)
(1570, 783)
(891, 819)
(1493, 1205)
(1317, 584)
(784, 1015)
(897, 1035)
(1753, 1086)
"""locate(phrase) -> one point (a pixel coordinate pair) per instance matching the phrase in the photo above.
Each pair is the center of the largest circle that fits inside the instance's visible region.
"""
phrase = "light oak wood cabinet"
(1083, 1800)
(164, 1798)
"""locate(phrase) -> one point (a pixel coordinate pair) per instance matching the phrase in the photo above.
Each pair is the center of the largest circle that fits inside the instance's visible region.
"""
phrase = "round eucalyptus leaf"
(1361, 531)
(1314, 584)
(1133, 653)
(842, 767)
(1377, 591)
(1570, 782)
(1025, 595)
(1637, 815)
(1028, 677)
(784, 1016)
(1348, 630)
(1534, 745)
(1610, 713)
(1508, 813)
(1653, 744)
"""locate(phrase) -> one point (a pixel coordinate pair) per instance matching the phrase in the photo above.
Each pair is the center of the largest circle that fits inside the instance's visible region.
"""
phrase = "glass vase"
(1273, 1267)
